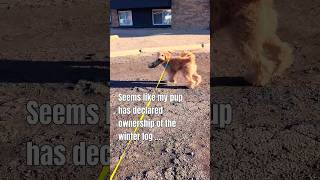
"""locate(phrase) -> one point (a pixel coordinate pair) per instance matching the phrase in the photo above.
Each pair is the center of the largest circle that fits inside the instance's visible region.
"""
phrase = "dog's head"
(163, 57)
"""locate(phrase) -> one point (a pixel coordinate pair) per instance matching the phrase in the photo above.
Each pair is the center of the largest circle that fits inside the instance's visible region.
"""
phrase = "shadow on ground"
(28, 71)
(142, 84)
(229, 81)
(130, 32)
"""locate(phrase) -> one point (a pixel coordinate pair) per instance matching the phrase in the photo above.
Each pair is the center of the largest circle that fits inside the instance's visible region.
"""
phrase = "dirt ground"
(183, 151)
(50, 52)
(275, 130)
(146, 38)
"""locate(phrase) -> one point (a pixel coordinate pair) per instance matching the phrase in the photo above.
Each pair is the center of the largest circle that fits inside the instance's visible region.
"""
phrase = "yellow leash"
(105, 170)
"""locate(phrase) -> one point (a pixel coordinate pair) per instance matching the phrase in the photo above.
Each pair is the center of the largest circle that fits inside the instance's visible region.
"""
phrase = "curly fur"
(254, 30)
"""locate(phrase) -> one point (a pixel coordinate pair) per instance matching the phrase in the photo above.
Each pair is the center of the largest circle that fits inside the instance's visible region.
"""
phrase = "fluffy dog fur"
(185, 63)
(254, 25)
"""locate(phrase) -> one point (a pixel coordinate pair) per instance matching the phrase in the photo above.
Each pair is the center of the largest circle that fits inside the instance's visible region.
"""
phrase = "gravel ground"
(50, 52)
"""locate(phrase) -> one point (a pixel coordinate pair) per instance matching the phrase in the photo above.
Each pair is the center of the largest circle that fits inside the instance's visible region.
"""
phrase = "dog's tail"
(186, 56)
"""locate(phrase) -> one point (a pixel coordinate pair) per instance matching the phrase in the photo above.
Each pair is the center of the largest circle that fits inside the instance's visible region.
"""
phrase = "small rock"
(152, 174)
(245, 100)
(169, 174)
(139, 89)
(308, 178)
(89, 56)
(176, 161)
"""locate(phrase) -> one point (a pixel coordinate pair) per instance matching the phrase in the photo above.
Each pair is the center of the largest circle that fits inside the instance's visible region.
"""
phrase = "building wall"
(186, 14)
(194, 14)
(114, 18)
(142, 18)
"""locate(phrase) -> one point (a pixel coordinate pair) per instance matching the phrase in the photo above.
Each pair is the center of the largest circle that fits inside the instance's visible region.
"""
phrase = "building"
(177, 14)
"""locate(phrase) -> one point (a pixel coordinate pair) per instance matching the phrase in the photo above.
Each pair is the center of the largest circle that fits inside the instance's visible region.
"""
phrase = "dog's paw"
(167, 81)
(257, 81)
(191, 86)
(172, 82)
(257, 84)
(261, 82)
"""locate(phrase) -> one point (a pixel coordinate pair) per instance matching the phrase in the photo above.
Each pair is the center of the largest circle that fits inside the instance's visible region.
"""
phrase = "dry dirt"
(50, 52)
(150, 38)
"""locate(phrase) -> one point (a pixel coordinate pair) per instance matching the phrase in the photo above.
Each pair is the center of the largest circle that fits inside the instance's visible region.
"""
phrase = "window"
(125, 18)
(161, 16)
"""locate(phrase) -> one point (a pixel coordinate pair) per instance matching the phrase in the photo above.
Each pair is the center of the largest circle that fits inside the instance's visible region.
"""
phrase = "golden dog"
(254, 25)
(185, 63)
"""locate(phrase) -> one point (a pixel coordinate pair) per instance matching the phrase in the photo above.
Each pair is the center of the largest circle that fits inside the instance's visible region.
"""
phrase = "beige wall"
(191, 14)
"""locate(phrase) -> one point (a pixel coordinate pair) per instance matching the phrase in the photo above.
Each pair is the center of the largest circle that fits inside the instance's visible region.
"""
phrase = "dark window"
(125, 18)
(161, 16)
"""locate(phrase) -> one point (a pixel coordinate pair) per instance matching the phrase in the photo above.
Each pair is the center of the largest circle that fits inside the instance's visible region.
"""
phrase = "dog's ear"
(168, 56)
